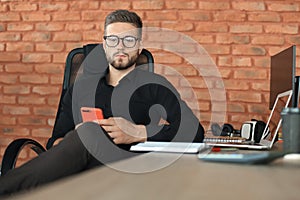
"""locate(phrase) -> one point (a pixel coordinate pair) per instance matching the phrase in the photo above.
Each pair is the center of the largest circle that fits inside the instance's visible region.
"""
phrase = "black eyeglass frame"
(128, 36)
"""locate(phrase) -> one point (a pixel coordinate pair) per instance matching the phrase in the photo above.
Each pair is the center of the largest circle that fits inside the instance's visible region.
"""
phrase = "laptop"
(271, 130)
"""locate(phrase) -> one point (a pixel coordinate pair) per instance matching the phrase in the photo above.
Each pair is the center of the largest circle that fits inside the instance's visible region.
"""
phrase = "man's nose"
(120, 45)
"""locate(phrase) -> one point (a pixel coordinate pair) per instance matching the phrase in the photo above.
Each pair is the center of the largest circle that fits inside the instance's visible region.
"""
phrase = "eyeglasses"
(127, 41)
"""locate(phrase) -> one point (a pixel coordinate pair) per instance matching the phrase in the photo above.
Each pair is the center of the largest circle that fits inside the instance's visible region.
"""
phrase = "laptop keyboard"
(226, 140)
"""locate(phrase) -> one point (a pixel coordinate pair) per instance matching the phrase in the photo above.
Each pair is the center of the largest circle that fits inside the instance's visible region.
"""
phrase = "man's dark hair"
(124, 16)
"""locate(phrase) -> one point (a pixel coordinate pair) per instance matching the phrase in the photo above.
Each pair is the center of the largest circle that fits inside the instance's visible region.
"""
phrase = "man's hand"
(123, 131)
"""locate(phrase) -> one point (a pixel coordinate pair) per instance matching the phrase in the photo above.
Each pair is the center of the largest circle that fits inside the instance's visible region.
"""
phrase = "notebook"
(271, 129)
(172, 147)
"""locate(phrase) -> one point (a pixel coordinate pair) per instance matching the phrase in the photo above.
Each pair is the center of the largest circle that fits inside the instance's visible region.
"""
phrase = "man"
(133, 102)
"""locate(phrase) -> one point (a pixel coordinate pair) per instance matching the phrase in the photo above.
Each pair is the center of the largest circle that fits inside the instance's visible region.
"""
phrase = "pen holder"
(291, 129)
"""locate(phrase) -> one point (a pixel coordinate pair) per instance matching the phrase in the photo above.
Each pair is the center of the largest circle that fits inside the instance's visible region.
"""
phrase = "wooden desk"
(186, 178)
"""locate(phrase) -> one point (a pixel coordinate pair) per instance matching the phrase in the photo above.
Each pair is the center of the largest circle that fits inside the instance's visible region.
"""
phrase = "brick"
(94, 15)
(248, 50)
(167, 58)
(49, 68)
(113, 5)
(80, 26)
(45, 90)
(217, 107)
(250, 74)
(44, 111)
(225, 73)
(230, 15)
(11, 131)
(246, 28)
(2, 27)
(272, 40)
(57, 6)
(9, 17)
(20, 47)
(262, 62)
(37, 36)
(56, 80)
(235, 107)
(241, 61)
(8, 78)
(180, 49)
(3, 7)
(257, 108)
(31, 100)
(18, 68)
(232, 39)
(249, 6)
(211, 27)
(20, 6)
(7, 36)
(245, 96)
(68, 16)
(19, 27)
(195, 15)
(9, 57)
(16, 89)
(34, 78)
(50, 47)
(291, 17)
(8, 120)
(36, 58)
(203, 38)
(42, 132)
(178, 26)
(184, 70)
(283, 7)
(53, 101)
(217, 49)
(147, 5)
(16, 110)
(294, 40)
(85, 5)
(32, 120)
(264, 17)
(224, 61)
(67, 36)
(59, 57)
(92, 35)
(181, 4)
(159, 15)
(215, 5)
(7, 99)
(240, 118)
(236, 85)
(261, 86)
(35, 17)
(53, 26)
(282, 28)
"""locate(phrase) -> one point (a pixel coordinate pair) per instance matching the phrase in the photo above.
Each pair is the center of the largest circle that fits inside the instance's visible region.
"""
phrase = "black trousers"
(87, 147)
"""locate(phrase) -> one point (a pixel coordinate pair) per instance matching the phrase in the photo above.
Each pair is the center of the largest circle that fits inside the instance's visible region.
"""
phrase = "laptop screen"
(274, 122)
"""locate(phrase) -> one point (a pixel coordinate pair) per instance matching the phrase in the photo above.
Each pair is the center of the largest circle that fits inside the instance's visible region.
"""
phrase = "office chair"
(76, 66)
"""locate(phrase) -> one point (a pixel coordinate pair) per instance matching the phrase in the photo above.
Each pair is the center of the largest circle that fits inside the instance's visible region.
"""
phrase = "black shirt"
(141, 97)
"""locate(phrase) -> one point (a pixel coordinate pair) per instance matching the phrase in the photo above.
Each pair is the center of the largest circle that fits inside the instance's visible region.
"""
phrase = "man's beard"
(122, 66)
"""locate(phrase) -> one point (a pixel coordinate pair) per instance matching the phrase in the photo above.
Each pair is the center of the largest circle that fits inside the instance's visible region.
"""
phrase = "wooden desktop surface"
(186, 178)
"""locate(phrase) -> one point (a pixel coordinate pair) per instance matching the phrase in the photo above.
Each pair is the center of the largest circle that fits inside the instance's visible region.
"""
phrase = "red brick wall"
(35, 37)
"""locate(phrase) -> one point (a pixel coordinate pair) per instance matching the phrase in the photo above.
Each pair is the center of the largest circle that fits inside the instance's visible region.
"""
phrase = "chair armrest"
(14, 148)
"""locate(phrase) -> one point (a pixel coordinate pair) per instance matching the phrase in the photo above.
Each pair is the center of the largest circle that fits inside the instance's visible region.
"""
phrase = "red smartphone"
(91, 114)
